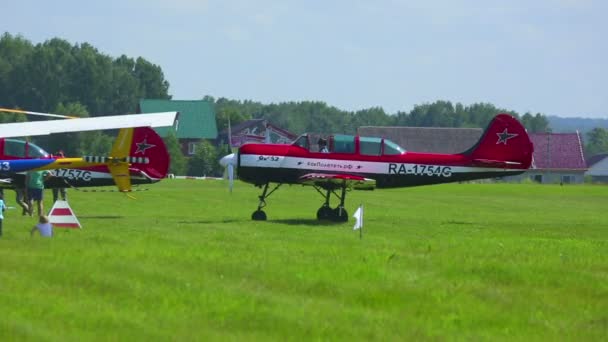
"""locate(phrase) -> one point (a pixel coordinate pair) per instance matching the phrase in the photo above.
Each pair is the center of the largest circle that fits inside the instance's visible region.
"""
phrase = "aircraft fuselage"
(258, 164)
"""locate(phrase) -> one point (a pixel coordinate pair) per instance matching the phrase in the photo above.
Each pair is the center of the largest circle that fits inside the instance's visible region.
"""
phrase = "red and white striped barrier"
(62, 216)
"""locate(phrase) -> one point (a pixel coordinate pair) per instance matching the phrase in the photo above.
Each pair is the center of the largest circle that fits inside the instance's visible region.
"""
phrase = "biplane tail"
(137, 152)
(505, 143)
(138, 149)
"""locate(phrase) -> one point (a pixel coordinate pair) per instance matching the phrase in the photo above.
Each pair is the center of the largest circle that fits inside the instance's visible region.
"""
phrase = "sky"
(543, 56)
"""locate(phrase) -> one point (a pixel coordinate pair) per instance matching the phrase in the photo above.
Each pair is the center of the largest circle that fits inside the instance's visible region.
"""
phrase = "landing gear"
(325, 213)
(260, 215)
(339, 213)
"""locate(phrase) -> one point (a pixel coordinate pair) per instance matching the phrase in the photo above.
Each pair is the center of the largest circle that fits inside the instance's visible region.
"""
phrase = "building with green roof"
(196, 120)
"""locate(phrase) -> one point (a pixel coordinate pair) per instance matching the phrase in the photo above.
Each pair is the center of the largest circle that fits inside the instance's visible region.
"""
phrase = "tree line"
(77, 79)
(311, 116)
(41, 77)
(73, 79)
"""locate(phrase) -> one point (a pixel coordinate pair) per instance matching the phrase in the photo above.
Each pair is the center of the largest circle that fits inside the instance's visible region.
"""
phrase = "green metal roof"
(196, 119)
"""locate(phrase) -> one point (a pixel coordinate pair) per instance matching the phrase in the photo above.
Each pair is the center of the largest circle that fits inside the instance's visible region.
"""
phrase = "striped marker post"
(62, 216)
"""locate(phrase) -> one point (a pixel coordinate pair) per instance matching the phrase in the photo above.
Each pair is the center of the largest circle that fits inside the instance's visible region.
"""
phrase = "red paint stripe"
(61, 211)
(66, 225)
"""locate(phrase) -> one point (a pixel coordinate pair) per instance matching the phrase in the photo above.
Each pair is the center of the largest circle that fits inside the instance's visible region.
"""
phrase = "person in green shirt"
(34, 181)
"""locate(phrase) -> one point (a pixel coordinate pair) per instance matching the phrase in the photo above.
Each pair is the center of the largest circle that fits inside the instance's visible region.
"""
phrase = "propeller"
(229, 161)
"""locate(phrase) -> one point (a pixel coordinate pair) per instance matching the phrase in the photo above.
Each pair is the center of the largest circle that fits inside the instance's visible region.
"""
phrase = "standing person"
(59, 191)
(43, 226)
(3, 208)
(35, 189)
(323, 145)
(21, 199)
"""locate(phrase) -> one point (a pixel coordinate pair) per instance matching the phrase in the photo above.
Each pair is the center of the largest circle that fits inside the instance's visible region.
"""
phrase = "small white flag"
(358, 215)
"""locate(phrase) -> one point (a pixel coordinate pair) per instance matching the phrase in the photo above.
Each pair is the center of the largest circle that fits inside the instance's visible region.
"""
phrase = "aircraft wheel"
(258, 215)
(340, 215)
(324, 213)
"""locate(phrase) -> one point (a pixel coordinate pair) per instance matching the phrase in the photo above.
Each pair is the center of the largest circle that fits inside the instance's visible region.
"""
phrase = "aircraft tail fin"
(138, 149)
(504, 143)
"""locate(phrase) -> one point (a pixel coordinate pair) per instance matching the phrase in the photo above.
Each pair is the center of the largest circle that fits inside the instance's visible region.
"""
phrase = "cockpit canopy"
(23, 149)
(342, 143)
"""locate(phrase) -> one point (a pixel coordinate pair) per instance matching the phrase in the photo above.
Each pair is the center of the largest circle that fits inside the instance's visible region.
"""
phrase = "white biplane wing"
(33, 128)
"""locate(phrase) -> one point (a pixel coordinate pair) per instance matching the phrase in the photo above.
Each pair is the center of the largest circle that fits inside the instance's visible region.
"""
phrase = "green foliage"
(437, 114)
(40, 77)
(151, 79)
(535, 124)
(185, 262)
(444, 114)
(527, 180)
(314, 116)
(204, 162)
(70, 143)
(369, 117)
(178, 161)
(223, 114)
(12, 117)
(597, 141)
(96, 143)
(13, 51)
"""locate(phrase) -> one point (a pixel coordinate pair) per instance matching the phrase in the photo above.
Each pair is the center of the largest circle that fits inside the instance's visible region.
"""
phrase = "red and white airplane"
(366, 163)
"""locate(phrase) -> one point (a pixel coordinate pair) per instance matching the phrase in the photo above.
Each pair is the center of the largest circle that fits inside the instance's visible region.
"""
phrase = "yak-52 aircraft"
(138, 155)
(365, 163)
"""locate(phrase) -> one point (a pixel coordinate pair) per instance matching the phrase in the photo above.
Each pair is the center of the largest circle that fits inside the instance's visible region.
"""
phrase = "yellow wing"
(118, 166)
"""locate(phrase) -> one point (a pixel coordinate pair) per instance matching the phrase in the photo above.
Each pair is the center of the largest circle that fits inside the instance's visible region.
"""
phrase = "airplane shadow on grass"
(306, 222)
(460, 223)
(291, 222)
(103, 217)
(211, 221)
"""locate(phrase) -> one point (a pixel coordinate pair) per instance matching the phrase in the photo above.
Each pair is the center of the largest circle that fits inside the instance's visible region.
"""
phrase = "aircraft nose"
(229, 159)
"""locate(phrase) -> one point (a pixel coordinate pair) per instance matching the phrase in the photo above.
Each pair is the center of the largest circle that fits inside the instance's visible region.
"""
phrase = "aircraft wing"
(495, 163)
(332, 180)
(33, 128)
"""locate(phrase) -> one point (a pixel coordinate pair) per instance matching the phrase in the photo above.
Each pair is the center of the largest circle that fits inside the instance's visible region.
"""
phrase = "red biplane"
(144, 160)
(138, 155)
(366, 163)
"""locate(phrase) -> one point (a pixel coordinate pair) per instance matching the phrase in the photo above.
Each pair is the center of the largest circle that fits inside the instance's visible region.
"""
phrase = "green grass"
(184, 261)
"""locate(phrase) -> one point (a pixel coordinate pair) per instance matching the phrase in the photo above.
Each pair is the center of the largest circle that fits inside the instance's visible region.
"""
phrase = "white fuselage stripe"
(354, 166)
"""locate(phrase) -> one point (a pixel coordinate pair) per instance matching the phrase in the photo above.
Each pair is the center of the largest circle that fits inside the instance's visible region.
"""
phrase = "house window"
(191, 148)
(567, 179)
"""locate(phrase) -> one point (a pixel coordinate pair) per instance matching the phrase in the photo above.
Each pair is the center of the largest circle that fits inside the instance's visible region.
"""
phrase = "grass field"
(184, 261)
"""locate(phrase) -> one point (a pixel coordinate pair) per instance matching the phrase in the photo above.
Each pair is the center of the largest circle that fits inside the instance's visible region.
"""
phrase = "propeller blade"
(229, 161)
